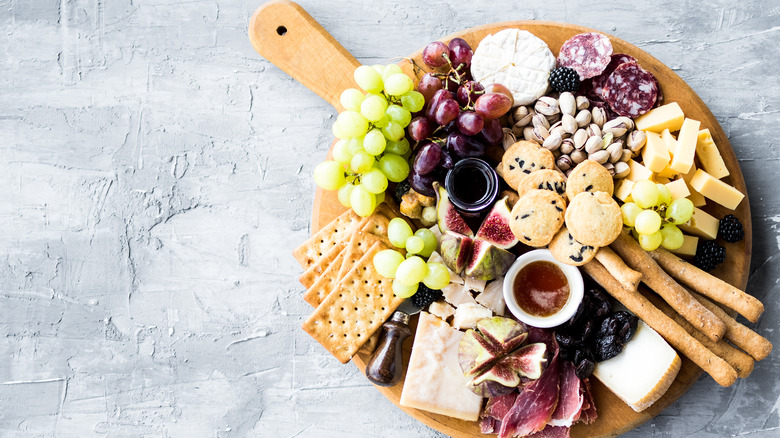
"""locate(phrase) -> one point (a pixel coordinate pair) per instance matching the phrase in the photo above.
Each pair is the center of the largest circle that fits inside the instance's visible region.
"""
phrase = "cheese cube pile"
(672, 160)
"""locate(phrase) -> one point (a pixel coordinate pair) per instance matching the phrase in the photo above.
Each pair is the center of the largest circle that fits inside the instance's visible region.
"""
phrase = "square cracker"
(336, 231)
(310, 276)
(357, 246)
(358, 306)
(320, 289)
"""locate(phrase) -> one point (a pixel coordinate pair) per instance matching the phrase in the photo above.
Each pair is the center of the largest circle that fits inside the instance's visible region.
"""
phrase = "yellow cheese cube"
(669, 116)
(688, 247)
(638, 172)
(679, 189)
(709, 156)
(655, 156)
(686, 146)
(717, 190)
(661, 180)
(701, 224)
(623, 189)
(668, 172)
(670, 141)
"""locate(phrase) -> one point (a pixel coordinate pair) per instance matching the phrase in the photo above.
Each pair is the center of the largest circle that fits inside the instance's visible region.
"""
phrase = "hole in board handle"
(281, 30)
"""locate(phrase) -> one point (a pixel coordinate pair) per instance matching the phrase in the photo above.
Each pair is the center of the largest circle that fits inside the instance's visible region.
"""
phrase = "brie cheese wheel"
(643, 371)
(434, 381)
(517, 60)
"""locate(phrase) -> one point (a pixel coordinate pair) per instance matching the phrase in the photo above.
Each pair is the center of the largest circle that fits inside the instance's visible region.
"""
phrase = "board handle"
(385, 368)
(285, 34)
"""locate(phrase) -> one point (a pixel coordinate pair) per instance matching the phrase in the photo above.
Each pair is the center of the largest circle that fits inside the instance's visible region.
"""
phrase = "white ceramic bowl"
(576, 289)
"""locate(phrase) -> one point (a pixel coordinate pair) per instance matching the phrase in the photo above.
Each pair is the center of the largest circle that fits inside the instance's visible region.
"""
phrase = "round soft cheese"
(517, 60)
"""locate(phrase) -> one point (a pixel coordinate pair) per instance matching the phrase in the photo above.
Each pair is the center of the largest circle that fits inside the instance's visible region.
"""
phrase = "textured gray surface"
(154, 179)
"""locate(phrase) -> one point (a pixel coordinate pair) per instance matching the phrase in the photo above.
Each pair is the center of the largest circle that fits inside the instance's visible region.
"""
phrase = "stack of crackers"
(351, 299)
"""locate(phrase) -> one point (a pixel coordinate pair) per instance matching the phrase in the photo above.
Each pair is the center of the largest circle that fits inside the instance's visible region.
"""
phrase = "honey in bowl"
(541, 288)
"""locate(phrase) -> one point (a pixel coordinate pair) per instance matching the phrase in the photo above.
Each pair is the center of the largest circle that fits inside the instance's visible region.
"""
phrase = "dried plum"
(584, 363)
(607, 347)
(566, 340)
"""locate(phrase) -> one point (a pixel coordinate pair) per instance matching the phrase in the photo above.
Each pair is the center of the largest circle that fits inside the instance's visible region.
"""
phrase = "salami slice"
(630, 90)
(597, 83)
(587, 53)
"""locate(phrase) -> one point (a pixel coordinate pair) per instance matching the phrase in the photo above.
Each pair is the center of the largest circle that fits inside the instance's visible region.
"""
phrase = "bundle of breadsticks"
(692, 321)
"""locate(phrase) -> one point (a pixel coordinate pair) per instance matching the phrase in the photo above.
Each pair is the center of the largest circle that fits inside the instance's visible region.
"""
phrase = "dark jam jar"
(472, 186)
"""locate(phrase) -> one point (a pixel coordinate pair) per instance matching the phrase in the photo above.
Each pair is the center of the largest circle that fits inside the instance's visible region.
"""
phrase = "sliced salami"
(597, 83)
(630, 90)
(587, 53)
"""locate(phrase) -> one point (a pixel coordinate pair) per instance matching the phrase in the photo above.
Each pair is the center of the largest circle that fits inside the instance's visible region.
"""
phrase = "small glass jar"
(472, 186)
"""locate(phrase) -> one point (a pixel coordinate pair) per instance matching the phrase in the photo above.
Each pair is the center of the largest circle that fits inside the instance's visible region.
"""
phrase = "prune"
(607, 347)
(566, 340)
(628, 325)
(584, 368)
(609, 326)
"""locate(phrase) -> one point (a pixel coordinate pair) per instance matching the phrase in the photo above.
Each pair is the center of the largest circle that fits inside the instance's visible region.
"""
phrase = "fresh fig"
(506, 334)
(474, 353)
(495, 228)
(489, 388)
(449, 218)
(487, 261)
(500, 374)
(527, 361)
(455, 250)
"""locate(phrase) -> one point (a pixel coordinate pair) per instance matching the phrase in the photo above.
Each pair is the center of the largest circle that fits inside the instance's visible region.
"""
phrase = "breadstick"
(739, 360)
(628, 277)
(709, 285)
(739, 335)
(665, 286)
(716, 367)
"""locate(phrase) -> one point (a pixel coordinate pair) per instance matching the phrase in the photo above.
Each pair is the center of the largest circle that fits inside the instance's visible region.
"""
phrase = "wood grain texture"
(615, 417)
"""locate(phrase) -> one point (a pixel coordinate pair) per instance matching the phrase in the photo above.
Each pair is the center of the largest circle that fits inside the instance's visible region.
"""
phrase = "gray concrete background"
(155, 177)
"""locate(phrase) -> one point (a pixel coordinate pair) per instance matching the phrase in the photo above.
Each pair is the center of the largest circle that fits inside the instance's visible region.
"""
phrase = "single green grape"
(390, 70)
(413, 101)
(361, 162)
(336, 130)
(411, 271)
(386, 262)
(399, 115)
(672, 237)
(680, 211)
(373, 107)
(664, 195)
(374, 142)
(647, 222)
(352, 124)
(399, 147)
(355, 145)
(429, 240)
(398, 231)
(403, 291)
(329, 175)
(363, 202)
(438, 276)
(398, 84)
(382, 123)
(341, 153)
(630, 212)
(645, 193)
(351, 98)
(393, 131)
(345, 192)
(395, 167)
(374, 180)
(414, 245)
(379, 68)
(650, 242)
(369, 79)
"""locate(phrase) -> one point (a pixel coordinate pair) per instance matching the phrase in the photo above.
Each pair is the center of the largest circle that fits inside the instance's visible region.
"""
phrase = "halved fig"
(506, 334)
(487, 261)
(526, 361)
(449, 218)
(490, 380)
(495, 228)
(455, 250)
(475, 354)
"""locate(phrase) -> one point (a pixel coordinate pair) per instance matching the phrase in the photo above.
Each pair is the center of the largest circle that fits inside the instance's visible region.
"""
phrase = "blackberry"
(709, 255)
(425, 296)
(564, 79)
(730, 229)
(401, 189)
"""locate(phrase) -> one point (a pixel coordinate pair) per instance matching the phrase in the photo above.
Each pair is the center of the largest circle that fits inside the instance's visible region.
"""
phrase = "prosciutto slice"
(588, 414)
(495, 411)
(570, 397)
(552, 432)
(534, 407)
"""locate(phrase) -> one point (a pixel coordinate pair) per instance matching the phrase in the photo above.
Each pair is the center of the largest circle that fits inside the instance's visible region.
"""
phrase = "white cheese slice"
(441, 309)
(467, 315)
(493, 296)
(517, 60)
(643, 371)
(434, 381)
(474, 285)
(456, 295)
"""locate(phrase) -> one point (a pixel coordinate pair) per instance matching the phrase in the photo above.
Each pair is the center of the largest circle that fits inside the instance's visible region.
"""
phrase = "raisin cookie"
(537, 216)
(589, 176)
(594, 218)
(545, 179)
(565, 248)
(522, 158)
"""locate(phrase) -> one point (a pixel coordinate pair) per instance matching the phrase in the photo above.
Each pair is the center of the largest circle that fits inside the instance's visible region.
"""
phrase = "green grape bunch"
(654, 216)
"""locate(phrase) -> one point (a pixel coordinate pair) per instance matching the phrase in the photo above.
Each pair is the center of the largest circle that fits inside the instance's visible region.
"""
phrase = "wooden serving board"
(286, 35)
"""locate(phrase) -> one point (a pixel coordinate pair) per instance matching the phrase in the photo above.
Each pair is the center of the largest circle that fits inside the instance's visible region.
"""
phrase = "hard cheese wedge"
(434, 381)
(655, 156)
(643, 371)
(716, 189)
(688, 247)
(686, 146)
(702, 224)
(669, 116)
(709, 156)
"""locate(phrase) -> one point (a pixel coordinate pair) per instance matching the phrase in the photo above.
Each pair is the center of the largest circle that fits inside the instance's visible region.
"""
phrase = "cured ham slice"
(495, 411)
(588, 414)
(534, 407)
(552, 432)
(570, 397)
